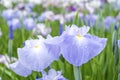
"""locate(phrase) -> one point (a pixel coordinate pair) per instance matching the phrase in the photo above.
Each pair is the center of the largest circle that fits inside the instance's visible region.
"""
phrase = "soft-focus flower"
(52, 75)
(119, 43)
(71, 8)
(23, 10)
(78, 47)
(46, 15)
(8, 14)
(118, 2)
(95, 3)
(108, 21)
(29, 23)
(5, 59)
(7, 3)
(29, 5)
(38, 54)
(111, 1)
(35, 1)
(60, 18)
(70, 16)
(21, 6)
(15, 23)
(90, 9)
(41, 29)
(91, 19)
(21, 14)
(42, 18)
(18, 1)
(118, 17)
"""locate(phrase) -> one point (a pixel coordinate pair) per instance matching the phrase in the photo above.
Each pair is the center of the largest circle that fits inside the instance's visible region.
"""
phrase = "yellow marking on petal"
(79, 36)
(36, 46)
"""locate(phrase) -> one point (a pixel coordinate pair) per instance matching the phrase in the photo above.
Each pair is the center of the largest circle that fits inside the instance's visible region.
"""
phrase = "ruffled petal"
(38, 55)
(74, 30)
(54, 41)
(21, 70)
(78, 51)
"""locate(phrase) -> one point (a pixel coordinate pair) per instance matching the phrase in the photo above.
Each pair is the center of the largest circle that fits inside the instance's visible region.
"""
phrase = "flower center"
(36, 46)
(79, 36)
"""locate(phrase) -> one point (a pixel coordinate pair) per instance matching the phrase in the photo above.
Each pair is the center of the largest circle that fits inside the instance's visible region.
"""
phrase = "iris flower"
(41, 29)
(52, 75)
(15, 23)
(78, 47)
(36, 55)
(109, 21)
(91, 19)
(8, 14)
(29, 23)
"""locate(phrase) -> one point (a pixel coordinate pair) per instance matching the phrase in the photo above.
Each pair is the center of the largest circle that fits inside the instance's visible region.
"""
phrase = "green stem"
(10, 43)
(77, 73)
(22, 31)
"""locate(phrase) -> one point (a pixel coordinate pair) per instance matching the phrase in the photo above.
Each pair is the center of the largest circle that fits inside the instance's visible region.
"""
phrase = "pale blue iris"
(78, 47)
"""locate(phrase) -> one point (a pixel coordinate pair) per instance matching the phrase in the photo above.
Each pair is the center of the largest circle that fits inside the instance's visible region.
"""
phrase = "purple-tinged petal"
(52, 75)
(37, 55)
(109, 21)
(21, 70)
(80, 51)
(56, 40)
(79, 47)
(74, 30)
(8, 14)
(15, 23)
(29, 23)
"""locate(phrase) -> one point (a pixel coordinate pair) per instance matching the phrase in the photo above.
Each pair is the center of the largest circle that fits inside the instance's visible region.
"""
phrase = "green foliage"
(102, 67)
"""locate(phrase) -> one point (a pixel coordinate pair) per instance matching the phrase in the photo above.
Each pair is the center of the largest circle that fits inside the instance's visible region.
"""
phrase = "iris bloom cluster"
(74, 44)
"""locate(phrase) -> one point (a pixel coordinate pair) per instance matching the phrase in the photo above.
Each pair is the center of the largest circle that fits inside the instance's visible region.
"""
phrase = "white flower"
(35, 1)
(41, 29)
(6, 60)
(94, 3)
(7, 3)
(70, 16)
(111, 1)
(118, 2)
(60, 18)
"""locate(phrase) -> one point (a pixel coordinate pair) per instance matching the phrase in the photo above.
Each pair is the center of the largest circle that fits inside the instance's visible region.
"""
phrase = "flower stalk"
(77, 73)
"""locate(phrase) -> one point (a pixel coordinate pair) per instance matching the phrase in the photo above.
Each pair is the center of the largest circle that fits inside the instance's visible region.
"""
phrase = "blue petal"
(80, 51)
(37, 59)
(21, 70)
(53, 50)
(29, 23)
(53, 40)
(74, 30)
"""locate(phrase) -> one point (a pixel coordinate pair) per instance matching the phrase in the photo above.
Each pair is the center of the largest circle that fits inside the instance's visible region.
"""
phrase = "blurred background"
(21, 20)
